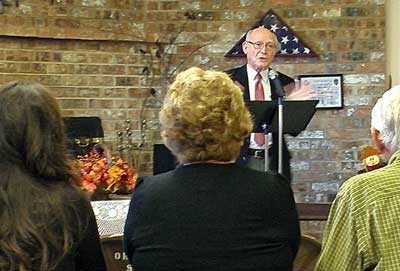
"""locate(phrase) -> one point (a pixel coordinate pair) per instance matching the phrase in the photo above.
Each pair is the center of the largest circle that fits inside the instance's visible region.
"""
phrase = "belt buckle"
(258, 154)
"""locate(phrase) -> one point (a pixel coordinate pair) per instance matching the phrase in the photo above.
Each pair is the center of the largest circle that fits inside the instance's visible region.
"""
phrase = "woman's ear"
(375, 137)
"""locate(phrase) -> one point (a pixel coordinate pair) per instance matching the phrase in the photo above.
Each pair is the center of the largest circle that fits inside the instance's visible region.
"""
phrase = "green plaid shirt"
(363, 228)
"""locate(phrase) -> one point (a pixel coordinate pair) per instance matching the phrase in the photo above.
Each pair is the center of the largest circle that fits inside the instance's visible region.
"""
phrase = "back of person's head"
(390, 130)
(204, 117)
(34, 172)
(385, 120)
(31, 131)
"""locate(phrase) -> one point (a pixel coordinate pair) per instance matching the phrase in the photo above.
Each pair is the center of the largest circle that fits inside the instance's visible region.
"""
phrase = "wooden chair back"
(116, 259)
(308, 254)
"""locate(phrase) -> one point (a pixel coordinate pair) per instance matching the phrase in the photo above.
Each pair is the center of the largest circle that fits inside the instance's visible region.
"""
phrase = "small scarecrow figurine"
(371, 159)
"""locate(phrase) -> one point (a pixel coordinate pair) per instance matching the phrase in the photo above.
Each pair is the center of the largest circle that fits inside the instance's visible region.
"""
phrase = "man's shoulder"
(234, 71)
(385, 174)
(374, 185)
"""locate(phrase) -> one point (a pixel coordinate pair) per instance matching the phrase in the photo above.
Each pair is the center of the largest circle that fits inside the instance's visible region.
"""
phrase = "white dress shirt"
(251, 74)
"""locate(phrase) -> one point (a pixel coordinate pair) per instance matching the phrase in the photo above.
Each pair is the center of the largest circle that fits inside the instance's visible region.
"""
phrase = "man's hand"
(299, 91)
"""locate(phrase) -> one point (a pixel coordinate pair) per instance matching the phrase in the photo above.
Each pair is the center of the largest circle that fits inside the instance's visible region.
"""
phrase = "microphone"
(274, 77)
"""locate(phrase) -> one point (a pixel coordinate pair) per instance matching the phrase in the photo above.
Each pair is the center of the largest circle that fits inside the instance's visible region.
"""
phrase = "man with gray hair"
(363, 228)
(260, 47)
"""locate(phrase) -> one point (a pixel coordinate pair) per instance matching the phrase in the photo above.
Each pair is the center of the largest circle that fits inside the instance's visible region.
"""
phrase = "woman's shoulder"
(269, 181)
(241, 175)
(144, 180)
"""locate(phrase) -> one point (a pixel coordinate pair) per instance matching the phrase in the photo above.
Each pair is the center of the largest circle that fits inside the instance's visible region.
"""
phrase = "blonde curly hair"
(204, 117)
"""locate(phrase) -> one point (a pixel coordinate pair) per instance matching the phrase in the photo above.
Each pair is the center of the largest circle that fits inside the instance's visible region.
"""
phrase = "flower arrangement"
(109, 175)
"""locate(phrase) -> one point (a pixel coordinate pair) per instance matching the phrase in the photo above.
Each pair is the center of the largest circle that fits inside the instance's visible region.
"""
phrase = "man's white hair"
(385, 117)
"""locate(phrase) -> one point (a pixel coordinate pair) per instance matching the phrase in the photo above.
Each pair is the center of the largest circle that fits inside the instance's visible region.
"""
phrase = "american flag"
(291, 45)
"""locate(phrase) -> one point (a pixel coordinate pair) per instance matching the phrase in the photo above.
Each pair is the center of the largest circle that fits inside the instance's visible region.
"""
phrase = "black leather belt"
(256, 153)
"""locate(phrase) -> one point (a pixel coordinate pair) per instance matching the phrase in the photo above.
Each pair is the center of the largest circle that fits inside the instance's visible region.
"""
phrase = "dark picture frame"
(328, 89)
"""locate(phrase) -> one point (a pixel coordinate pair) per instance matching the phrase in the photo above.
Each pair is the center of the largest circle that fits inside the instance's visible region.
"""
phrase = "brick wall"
(101, 57)
(89, 78)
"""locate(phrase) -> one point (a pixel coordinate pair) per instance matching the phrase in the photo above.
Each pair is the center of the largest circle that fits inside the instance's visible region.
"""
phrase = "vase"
(118, 196)
(99, 194)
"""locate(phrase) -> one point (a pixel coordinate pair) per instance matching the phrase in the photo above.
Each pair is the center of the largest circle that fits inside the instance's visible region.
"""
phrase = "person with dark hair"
(46, 222)
(210, 213)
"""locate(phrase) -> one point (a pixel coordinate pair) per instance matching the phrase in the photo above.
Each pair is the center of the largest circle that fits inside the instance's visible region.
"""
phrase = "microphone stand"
(265, 128)
(280, 133)
(274, 77)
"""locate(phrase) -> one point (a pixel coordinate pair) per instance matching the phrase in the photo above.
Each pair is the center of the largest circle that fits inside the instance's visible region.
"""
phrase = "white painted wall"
(392, 10)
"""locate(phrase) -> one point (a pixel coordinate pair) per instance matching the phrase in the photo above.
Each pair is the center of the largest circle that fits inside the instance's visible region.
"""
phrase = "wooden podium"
(113, 249)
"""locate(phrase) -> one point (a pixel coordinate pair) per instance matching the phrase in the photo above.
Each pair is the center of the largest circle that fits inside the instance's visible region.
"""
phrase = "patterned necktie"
(259, 96)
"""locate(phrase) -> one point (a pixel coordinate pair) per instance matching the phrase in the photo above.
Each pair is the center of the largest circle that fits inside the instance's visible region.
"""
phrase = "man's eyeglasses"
(259, 45)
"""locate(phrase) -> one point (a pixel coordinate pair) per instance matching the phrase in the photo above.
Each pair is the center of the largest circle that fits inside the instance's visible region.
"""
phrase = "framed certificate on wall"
(327, 89)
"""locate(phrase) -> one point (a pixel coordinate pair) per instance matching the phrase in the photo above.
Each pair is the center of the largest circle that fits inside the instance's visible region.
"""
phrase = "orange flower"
(120, 177)
(95, 173)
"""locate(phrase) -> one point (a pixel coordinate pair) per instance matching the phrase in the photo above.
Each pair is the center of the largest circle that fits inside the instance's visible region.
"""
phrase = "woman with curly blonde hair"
(46, 223)
(210, 213)
(204, 117)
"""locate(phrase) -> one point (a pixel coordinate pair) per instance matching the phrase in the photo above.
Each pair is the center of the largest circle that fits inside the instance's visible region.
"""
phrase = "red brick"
(114, 92)
(74, 103)
(103, 104)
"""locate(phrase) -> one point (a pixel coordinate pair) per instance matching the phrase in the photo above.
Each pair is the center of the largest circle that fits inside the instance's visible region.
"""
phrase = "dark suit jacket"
(212, 217)
(240, 75)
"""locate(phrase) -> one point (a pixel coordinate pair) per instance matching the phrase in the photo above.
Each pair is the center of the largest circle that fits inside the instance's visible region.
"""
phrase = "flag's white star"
(291, 45)
(274, 27)
(285, 40)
